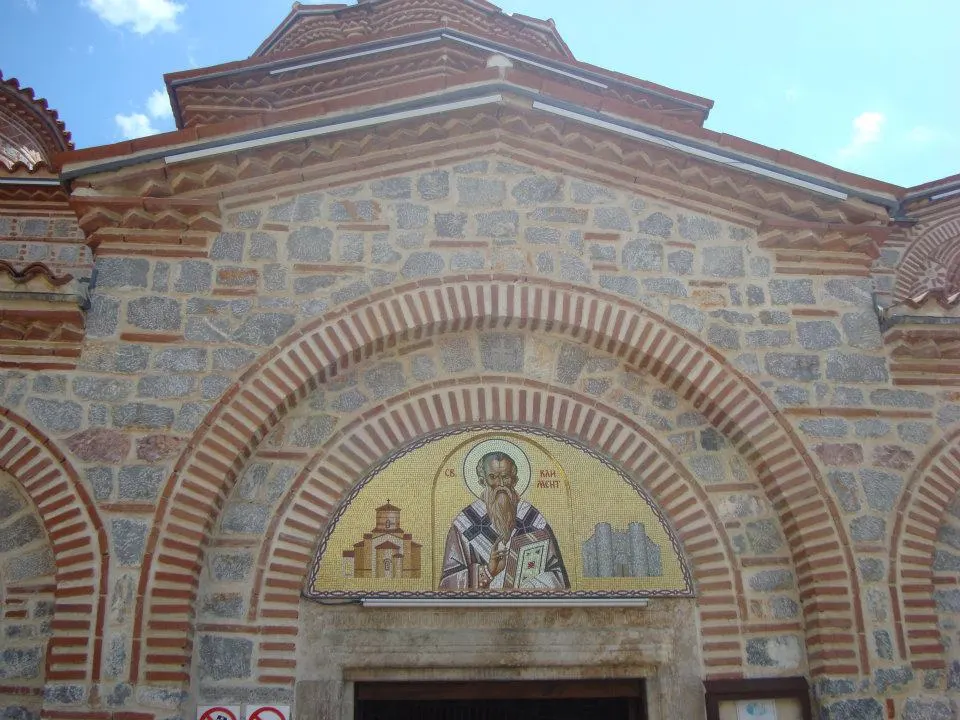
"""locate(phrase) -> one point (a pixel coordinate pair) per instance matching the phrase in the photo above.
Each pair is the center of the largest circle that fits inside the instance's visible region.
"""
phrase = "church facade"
(663, 409)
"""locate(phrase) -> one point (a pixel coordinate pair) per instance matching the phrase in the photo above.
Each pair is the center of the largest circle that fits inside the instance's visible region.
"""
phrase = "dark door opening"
(535, 700)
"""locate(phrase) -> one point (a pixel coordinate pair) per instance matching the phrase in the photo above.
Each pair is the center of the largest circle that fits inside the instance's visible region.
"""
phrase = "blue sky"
(867, 85)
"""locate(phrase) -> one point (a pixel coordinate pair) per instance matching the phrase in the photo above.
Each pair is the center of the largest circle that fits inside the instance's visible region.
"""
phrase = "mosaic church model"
(414, 249)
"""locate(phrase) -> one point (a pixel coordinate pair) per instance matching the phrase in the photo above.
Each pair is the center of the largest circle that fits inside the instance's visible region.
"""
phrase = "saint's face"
(500, 473)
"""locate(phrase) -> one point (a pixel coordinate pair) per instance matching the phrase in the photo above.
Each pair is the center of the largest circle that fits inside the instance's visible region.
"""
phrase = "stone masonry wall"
(166, 338)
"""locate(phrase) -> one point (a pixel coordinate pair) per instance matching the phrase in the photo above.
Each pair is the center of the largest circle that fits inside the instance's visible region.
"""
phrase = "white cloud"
(31, 5)
(867, 129)
(158, 105)
(134, 125)
(142, 16)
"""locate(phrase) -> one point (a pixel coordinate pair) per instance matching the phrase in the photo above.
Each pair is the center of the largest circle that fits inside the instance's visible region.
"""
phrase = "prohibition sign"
(218, 713)
(268, 713)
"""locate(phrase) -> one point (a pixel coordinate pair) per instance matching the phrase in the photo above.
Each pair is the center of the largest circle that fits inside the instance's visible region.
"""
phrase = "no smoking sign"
(268, 712)
(218, 712)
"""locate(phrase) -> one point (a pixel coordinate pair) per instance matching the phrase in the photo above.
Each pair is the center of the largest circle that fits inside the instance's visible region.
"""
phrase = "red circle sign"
(267, 713)
(218, 713)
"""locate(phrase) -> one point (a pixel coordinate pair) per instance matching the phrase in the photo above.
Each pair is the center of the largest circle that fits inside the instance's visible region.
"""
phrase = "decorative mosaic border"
(344, 595)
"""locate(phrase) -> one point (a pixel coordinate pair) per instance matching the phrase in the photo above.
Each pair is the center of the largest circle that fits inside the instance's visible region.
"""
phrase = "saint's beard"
(501, 505)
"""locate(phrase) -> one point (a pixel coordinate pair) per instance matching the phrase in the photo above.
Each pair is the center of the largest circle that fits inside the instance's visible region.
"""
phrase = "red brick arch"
(345, 459)
(940, 243)
(930, 489)
(202, 479)
(79, 544)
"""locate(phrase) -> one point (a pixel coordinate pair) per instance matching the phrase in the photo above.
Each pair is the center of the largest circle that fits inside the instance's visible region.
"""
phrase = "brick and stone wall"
(225, 400)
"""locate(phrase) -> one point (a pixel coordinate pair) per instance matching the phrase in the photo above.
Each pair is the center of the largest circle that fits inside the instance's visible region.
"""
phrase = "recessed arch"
(204, 476)
(940, 244)
(79, 544)
(931, 488)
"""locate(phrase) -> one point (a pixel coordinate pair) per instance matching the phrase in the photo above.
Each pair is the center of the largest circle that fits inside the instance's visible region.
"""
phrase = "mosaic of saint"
(494, 512)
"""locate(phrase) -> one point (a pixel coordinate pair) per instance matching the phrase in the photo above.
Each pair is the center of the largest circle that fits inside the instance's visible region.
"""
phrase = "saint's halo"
(495, 445)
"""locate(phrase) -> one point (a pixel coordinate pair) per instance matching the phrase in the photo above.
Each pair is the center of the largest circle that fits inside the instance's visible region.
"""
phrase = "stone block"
(154, 313)
(468, 260)
(862, 329)
(121, 272)
(825, 427)
(310, 244)
(19, 532)
(790, 366)
(385, 379)
(563, 215)
(570, 363)
(228, 246)
(194, 276)
(354, 210)
(101, 480)
(856, 368)
(129, 540)
(55, 415)
(641, 255)
(152, 448)
(844, 486)
(449, 225)
(755, 296)
(538, 190)
(665, 286)
(181, 360)
(774, 317)
(222, 605)
(723, 262)
(868, 528)
(498, 224)
(865, 709)
(21, 663)
(680, 262)
(887, 679)
(818, 335)
(781, 652)
(10, 502)
(502, 352)
(893, 457)
(871, 569)
(162, 387)
(213, 386)
(764, 536)
(392, 188)
(723, 337)
(929, 709)
(101, 388)
(858, 291)
(792, 292)
(657, 224)
(28, 565)
(161, 277)
(231, 359)
(698, 228)
(263, 246)
(245, 518)
(917, 433)
(542, 236)
(687, 317)
(456, 354)
(612, 218)
(434, 185)
(791, 395)
(901, 399)
(423, 264)
(311, 283)
(225, 658)
(784, 608)
(621, 284)
(306, 207)
(263, 329)
(772, 580)
(573, 269)
(839, 453)
(707, 468)
(140, 482)
(768, 338)
(480, 191)
(99, 445)
(411, 216)
(882, 489)
(231, 566)
(142, 415)
(103, 317)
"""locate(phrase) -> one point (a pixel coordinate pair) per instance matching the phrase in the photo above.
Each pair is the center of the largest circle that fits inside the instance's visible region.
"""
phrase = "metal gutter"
(486, 94)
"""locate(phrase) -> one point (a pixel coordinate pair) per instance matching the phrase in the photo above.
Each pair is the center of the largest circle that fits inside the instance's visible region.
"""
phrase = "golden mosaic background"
(571, 488)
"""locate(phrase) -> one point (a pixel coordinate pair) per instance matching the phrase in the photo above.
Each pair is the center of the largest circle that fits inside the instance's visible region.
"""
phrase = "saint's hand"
(498, 560)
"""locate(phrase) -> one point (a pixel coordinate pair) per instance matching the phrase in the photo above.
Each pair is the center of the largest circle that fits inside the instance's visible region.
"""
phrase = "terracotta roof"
(388, 507)
(30, 132)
